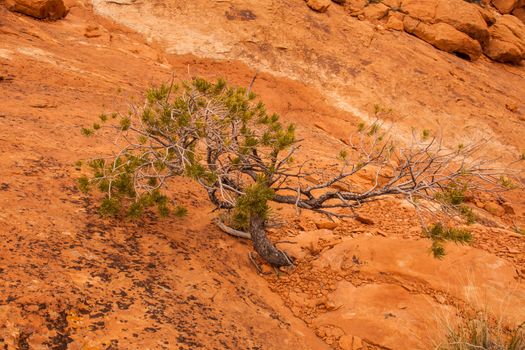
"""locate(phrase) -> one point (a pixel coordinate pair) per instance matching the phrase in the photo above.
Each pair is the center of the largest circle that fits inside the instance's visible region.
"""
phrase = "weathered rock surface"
(424, 10)
(319, 5)
(349, 342)
(519, 10)
(519, 13)
(326, 224)
(507, 42)
(395, 23)
(504, 6)
(41, 9)
(410, 24)
(445, 37)
(356, 5)
(494, 208)
(374, 311)
(488, 15)
(376, 11)
(462, 15)
(311, 242)
(453, 26)
(394, 4)
(464, 272)
(465, 17)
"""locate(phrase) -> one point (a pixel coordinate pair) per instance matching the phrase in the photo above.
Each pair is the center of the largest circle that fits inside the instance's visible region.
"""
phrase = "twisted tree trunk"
(262, 244)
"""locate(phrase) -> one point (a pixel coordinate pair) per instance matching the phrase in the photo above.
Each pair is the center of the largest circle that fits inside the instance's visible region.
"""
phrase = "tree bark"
(262, 244)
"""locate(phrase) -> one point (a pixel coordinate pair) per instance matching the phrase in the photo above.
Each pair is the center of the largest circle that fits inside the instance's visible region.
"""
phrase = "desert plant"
(454, 194)
(452, 198)
(223, 138)
(480, 332)
(439, 233)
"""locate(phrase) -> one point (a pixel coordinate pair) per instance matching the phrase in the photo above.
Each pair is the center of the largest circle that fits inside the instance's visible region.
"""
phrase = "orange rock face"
(394, 23)
(375, 11)
(467, 17)
(505, 6)
(318, 5)
(519, 13)
(42, 9)
(356, 5)
(494, 208)
(445, 37)
(463, 16)
(507, 43)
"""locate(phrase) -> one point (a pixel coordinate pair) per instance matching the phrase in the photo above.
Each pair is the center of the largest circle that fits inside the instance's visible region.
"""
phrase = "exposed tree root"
(261, 243)
(231, 231)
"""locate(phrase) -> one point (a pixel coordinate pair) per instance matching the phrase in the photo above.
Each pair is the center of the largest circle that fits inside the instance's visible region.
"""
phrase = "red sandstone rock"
(445, 37)
(504, 6)
(42, 9)
(507, 43)
(319, 5)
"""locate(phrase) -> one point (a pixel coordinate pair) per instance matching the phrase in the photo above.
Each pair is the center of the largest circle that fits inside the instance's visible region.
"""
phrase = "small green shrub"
(179, 211)
(83, 184)
(109, 207)
(86, 131)
(454, 194)
(507, 183)
(343, 154)
(438, 250)
(467, 214)
(255, 201)
(439, 233)
(425, 134)
(443, 233)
